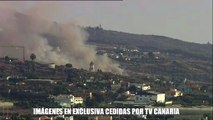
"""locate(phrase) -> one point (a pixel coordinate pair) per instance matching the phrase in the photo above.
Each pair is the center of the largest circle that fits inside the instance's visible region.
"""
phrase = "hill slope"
(151, 42)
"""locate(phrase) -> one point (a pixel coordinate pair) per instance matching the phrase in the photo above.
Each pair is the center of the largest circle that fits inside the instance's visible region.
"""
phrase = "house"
(78, 100)
(84, 94)
(149, 97)
(145, 87)
(6, 104)
(175, 93)
(141, 98)
(68, 100)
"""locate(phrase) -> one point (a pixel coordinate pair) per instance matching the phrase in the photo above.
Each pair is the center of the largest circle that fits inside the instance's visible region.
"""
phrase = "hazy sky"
(189, 20)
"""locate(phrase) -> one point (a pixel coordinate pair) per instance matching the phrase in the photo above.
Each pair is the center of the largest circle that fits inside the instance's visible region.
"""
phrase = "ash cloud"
(51, 41)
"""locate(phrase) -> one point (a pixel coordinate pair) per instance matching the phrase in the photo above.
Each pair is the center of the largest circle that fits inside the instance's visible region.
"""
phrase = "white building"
(78, 100)
(149, 97)
(145, 87)
(52, 65)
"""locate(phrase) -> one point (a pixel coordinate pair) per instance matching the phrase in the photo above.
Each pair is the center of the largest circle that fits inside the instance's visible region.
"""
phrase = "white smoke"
(50, 41)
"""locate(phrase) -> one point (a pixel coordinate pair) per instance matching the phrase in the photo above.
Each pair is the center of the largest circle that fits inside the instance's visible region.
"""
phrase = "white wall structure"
(52, 65)
(149, 97)
(146, 87)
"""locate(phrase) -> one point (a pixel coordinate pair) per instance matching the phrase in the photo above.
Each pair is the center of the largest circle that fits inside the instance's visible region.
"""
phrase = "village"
(30, 84)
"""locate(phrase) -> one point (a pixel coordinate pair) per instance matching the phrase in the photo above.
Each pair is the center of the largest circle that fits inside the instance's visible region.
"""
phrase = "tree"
(206, 116)
(69, 71)
(151, 55)
(90, 102)
(132, 88)
(32, 56)
(7, 59)
(68, 65)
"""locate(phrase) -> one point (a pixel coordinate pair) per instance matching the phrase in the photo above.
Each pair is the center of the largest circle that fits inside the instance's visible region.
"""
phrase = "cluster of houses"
(143, 95)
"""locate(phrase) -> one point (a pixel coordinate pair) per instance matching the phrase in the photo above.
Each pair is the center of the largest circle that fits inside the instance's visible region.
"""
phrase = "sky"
(188, 20)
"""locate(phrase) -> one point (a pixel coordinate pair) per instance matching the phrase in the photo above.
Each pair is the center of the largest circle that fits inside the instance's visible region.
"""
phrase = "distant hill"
(150, 42)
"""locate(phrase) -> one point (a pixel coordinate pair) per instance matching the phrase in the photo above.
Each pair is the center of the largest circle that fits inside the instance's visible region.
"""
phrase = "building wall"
(145, 99)
(161, 98)
(146, 87)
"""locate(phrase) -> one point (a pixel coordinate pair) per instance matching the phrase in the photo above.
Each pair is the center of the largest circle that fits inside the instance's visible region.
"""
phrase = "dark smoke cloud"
(50, 41)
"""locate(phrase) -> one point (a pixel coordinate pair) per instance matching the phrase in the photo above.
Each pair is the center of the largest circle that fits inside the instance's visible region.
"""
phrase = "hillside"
(174, 59)
(150, 42)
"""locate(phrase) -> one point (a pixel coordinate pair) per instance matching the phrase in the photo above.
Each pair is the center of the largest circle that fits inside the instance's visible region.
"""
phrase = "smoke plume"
(52, 42)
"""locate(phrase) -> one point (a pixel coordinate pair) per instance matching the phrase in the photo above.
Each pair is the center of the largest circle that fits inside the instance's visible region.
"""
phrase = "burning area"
(52, 42)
